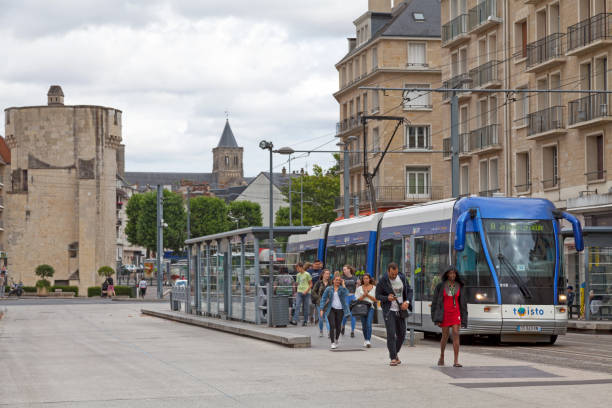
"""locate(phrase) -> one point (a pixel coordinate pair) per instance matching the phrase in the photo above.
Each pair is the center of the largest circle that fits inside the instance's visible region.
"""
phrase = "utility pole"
(160, 241)
(455, 144)
(302, 198)
(290, 202)
(189, 236)
(347, 198)
(271, 242)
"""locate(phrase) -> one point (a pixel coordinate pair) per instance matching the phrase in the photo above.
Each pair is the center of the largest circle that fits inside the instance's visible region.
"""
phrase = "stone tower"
(227, 160)
(61, 198)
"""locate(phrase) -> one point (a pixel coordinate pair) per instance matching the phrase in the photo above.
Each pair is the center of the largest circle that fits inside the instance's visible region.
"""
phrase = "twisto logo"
(528, 311)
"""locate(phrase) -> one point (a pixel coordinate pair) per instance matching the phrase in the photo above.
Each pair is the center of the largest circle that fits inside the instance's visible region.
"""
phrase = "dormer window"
(420, 17)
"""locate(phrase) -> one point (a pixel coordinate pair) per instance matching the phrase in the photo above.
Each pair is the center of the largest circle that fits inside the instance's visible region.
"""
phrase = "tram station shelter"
(590, 273)
(229, 272)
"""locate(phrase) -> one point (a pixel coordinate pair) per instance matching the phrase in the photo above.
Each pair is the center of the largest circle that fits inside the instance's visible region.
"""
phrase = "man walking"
(394, 293)
(142, 286)
(302, 297)
(315, 272)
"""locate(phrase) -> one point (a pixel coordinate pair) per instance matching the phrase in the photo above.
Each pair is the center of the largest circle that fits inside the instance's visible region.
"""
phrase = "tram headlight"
(562, 298)
(481, 297)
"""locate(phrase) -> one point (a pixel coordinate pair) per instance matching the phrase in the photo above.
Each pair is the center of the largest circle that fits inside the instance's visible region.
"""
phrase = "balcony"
(524, 188)
(589, 34)
(597, 176)
(485, 139)
(488, 193)
(483, 16)
(348, 124)
(545, 53)
(396, 195)
(1, 181)
(486, 76)
(1, 203)
(551, 183)
(464, 146)
(589, 111)
(455, 31)
(546, 122)
(461, 81)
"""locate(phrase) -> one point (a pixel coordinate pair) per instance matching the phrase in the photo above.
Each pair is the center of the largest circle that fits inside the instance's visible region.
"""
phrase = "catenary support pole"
(290, 202)
(346, 175)
(412, 269)
(198, 280)
(160, 242)
(189, 251)
(455, 144)
(242, 279)
(258, 297)
(271, 243)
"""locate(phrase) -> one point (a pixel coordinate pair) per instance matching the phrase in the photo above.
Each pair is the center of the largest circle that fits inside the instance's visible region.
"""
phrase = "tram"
(307, 247)
(508, 251)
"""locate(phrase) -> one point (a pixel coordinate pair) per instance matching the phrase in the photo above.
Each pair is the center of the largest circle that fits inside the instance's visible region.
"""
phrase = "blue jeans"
(366, 324)
(349, 299)
(322, 318)
(301, 299)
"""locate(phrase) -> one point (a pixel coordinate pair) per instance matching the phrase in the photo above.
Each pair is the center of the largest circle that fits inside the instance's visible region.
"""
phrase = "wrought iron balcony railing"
(545, 120)
(454, 28)
(588, 108)
(598, 27)
(545, 49)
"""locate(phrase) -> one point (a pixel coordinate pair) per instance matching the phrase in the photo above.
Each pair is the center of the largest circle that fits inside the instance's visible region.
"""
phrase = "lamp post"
(265, 145)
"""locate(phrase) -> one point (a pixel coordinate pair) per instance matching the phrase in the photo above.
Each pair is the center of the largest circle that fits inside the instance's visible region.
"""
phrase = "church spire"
(227, 137)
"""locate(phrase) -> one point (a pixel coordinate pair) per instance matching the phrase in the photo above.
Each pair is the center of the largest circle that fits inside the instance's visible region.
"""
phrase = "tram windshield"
(524, 255)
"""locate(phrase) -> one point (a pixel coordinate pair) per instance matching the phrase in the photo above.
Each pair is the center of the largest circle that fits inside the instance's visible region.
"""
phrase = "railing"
(596, 175)
(488, 193)
(543, 50)
(461, 81)
(454, 28)
(484, 137)
(355, 159)
(522, 188)
(396, 194)
(545, 120)
(551, 182)
(484, 74)
(349, 123)
(1, 201)
(598, 27)
(482, 13)
(588, 108)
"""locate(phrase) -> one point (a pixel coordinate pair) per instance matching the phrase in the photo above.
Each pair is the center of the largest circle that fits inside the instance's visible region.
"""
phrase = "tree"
(44, 271)
(208, 216)
(106, 271)
(320, 191)
(133, 210)
(174, 216)
(244, 214)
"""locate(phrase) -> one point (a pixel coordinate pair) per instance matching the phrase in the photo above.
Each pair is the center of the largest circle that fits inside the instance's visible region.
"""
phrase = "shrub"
(123, 291)
(29, 289)
(44, 271)
(43, 283)
(64, 288)
(94, 291)
(106, 271)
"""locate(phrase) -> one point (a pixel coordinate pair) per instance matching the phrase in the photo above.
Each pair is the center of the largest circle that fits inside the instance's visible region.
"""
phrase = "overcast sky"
(175, 66)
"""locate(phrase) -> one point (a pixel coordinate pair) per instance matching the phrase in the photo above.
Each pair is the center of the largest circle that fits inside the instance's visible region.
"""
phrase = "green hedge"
(94, 291)
(29, 289)
(64, 288)
(123, 291)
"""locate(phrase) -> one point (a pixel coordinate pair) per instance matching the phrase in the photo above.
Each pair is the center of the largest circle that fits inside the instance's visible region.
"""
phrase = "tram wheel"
(552, 340)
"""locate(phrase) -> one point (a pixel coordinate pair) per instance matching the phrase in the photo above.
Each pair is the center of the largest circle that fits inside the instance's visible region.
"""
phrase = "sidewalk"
(590, 326)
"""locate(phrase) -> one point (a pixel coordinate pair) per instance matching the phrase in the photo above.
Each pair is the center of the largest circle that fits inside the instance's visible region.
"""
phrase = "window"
(7, 117)
(375, 140)
(374, 58)
(521, 108)
(117, 119)
(465, 180)
(364, 64)
(523, 174)
(601, 73)
(555, 83)
(227, 161)
(484, 177)
(595, 158)
(550, 170)
(420, 17)
(375, 103)
(390, 251)
(493, 175)
(235, 160)
(344, 77)
(417, 182)
(417, 137)
(417, 100)
(365, 102)
(520, 38)
(73, 250)
(431, 258)
(417, 54)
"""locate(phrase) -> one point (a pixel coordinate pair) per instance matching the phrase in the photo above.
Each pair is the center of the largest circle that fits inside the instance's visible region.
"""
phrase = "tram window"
(330, 258)
(431, 259)
(340, 258)
(310, 255)
(472, 264)
(390, 251)
(361, 255)
(350, 256)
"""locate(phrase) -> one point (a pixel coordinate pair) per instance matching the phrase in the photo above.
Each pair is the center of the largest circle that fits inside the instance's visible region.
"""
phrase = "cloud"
(175, 67)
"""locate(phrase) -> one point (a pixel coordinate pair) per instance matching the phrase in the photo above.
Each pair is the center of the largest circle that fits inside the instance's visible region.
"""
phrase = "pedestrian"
(350, 283)
(302, 296)
(2, 281)
(393, 293)
(111, 287)
(333, 306)
(571, 296)
(142, 286)
(366, 292)
(449, 310)
(317, 293)
(315, 270)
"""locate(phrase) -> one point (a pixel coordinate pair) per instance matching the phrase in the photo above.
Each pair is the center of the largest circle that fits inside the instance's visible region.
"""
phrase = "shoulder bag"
(360, 308)
(402, 313)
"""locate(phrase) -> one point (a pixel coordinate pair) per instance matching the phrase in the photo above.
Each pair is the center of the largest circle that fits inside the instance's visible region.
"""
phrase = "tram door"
(413, 258)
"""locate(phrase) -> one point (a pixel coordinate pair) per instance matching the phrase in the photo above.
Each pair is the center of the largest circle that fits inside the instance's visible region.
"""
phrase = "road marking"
(529, 383)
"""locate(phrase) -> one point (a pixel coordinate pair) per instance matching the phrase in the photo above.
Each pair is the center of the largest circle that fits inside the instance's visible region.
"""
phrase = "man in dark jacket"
(394, 295)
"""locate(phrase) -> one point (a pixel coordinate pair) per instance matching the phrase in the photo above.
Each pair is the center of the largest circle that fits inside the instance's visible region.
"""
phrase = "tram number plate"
(528, 329)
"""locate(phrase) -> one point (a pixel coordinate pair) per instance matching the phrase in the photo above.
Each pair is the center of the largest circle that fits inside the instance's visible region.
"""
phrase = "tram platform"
(590, 326)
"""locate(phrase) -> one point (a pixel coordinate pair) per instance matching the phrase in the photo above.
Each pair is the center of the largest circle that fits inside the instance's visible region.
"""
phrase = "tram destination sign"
(493, 226)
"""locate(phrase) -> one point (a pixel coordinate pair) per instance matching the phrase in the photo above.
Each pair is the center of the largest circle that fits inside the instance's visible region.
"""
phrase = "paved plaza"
(109, 355)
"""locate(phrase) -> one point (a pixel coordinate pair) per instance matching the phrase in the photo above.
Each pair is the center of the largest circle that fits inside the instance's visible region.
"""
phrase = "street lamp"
(265, 145)
(288, 151)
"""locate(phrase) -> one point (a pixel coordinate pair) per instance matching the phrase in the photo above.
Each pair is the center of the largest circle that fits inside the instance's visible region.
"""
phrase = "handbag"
(360, 308)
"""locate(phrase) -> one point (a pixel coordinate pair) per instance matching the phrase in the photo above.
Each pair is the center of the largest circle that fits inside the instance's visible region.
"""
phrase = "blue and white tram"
(307, 247)
(507, 250)
(353, 241)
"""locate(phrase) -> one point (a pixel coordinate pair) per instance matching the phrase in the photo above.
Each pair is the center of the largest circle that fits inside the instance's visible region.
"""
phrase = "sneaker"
(321, 333)
(342, 331)
(293, 322)
(352, 334)
(334, 346)
(367, 344)
(305, 324)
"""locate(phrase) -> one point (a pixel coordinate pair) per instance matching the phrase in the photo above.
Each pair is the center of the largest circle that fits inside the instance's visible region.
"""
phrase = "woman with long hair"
(317, 294)
(350, 283)
(449, 310)
(366, 292)
(333, 306)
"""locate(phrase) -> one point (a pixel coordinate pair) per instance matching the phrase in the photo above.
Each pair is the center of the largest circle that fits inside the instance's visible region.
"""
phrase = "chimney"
(352, 43)
(284, 171)
(55, 96)
(380, 6)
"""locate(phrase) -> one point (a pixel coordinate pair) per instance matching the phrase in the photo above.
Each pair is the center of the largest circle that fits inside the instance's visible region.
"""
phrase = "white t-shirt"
(372, 292)
(398, 289)
(336, 304)
(142, 284)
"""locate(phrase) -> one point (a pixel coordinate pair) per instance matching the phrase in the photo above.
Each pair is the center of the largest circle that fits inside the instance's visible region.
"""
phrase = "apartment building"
(398, 46)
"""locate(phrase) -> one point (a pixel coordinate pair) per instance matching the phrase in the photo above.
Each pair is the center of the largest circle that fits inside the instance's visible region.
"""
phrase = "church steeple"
(227, 160)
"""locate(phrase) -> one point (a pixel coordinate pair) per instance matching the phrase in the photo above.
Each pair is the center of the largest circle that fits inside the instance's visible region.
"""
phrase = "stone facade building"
(396, 45)
(61, 198)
